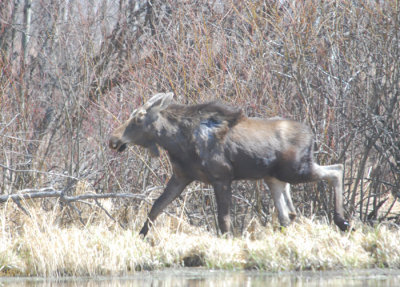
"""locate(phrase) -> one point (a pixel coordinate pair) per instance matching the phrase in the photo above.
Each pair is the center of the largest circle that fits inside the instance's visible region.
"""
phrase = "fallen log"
(50, 192)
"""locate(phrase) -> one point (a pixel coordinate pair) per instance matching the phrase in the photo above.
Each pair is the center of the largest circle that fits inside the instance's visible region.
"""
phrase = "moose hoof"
(341, 223)
(292, 216)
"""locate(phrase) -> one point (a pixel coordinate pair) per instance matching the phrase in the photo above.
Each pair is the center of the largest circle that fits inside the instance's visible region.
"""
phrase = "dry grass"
(38, 246)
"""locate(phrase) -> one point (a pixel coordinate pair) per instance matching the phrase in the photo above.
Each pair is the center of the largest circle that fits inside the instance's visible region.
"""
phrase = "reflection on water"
(197, 278)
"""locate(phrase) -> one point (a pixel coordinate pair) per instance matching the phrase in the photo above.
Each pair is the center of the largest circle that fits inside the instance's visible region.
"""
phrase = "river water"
(188, 277)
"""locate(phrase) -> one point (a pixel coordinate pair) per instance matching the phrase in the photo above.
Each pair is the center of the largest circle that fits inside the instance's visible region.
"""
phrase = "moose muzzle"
(116, 144)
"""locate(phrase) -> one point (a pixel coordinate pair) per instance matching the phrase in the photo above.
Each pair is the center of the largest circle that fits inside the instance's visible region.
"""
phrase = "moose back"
(217, 144)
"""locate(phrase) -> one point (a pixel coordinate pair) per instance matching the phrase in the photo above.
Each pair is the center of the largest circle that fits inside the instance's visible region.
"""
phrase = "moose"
(217, 144)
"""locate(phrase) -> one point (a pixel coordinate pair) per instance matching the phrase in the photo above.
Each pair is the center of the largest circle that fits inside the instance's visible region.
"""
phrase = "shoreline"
(42, 249)
(196, 273)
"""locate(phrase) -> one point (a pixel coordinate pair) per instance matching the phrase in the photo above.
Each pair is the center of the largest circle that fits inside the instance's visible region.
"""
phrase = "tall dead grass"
(39, 246)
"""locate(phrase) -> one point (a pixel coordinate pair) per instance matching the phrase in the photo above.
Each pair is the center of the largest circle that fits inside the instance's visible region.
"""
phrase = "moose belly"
(257, 166)
(247, 166)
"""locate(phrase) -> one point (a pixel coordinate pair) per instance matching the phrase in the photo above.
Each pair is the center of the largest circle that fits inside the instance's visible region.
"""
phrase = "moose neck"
(169, 135)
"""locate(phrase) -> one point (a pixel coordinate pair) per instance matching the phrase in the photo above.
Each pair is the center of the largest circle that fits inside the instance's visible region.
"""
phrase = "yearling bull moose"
(217, 144)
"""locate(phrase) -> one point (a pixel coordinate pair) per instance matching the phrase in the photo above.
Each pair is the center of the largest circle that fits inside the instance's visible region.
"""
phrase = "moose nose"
(116, 143)
(113, 143)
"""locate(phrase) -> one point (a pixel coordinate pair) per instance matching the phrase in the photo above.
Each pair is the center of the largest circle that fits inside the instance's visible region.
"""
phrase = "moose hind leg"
(223, 196)
(334, 175)
(174, 188)
(279, 195)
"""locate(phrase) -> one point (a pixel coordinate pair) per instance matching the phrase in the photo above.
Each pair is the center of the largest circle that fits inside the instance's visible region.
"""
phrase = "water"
(199, 277)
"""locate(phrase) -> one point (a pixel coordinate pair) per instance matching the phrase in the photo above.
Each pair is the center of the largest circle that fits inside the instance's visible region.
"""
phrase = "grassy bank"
(40, 247)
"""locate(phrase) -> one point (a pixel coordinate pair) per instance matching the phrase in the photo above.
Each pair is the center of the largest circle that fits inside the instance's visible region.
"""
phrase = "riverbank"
(39, 247)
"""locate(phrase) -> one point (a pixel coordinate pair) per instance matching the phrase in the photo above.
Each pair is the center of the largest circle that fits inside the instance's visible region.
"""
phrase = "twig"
(9, 123)
(18, 203)
(74, 208)
(38, 171)
(108, 214)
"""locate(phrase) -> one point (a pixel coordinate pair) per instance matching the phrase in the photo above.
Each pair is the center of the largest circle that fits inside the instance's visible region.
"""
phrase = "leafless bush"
(71, 71)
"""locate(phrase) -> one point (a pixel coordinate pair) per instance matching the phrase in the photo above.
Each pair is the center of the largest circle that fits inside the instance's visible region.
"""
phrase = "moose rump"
(217, 144)
(277, 148)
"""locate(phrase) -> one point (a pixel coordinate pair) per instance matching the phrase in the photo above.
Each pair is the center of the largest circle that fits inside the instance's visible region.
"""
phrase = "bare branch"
(38, 171)
(9, 123)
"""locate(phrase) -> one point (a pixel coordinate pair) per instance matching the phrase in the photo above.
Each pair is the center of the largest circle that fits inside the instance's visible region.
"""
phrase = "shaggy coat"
(217, 144)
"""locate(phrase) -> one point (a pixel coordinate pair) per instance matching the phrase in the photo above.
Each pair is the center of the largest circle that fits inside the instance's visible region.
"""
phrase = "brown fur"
(217, 144)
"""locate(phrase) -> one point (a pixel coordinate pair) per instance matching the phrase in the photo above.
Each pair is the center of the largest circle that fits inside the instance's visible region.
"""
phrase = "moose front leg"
(223, 196)
(174, 188)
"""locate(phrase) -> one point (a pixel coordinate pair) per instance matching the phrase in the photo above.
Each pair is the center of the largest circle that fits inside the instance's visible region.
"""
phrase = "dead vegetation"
(40, 245)
(72, 71)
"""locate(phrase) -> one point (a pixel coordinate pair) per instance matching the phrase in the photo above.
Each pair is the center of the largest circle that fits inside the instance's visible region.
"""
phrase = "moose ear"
(140, 114)
(158, 102)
